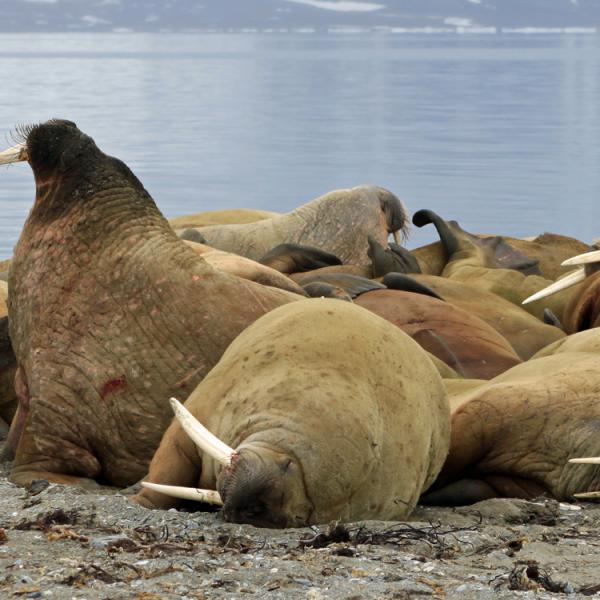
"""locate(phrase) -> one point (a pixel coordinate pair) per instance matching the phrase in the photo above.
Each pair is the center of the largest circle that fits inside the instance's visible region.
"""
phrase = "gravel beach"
(60, 543)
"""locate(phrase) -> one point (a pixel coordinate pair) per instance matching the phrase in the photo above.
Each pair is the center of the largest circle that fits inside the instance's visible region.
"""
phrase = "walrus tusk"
(588, 495)
(397, 239)
(562, 284)
(185, 493)
(15, 154)
(586, 461)
(204, 439)
(582, 259)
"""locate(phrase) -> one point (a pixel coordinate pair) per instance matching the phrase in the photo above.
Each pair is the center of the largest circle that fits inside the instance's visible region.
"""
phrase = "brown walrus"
(514, 435)
(110, 314)
(462, 340)
(491, 265)
(524, 332)
(334, 414)
(338, 222)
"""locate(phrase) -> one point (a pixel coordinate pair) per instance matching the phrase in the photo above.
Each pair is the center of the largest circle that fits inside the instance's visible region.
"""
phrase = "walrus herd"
(325, 373)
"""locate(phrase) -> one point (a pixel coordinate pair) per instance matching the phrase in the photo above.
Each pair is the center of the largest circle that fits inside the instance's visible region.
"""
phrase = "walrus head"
(264, 487)
(48, 147)
(259, 485)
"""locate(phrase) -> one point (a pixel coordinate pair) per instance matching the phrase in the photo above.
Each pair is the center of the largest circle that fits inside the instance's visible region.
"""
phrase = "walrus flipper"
(296, 258)
(394, 259)
(492, 251)
(405, 283)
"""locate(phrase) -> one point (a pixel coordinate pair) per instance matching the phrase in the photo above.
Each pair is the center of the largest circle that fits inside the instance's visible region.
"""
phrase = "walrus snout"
(396, 215)
(262, 487)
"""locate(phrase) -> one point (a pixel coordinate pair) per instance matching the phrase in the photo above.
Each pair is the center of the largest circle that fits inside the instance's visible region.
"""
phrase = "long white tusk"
(202, 437)
(185, 493)
(586, 461)
(15, 154)
(397, 239)
(588, 495)
(583, 259)
(562, 284)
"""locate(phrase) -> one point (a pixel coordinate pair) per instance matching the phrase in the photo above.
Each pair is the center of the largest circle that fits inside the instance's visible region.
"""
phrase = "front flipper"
(176, 462)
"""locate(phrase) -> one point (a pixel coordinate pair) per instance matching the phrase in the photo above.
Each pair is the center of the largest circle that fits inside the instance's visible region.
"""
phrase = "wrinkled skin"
(513, 436)
(110, 314)
(549, 250)
(525, 333)
(337, 222)
(325, 428)
(463, 341)
(231, 216)
(245, 268)
(492, 266)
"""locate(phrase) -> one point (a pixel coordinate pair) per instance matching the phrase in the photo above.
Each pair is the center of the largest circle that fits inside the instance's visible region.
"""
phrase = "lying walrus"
(338, 222)
(514, 435)
(334, 414)
(492, 265)
(524, 332)
(459, 338)
(110, 314)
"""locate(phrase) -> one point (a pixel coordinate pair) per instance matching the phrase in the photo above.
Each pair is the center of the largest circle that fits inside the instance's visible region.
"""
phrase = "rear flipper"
(18, 423)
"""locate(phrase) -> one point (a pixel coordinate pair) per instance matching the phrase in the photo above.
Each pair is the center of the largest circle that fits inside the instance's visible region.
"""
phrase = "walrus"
(583, 308)
(514, 435)
(337, 222)
(462, 340)
(228, 216)
(110, 313)
(524, 332)
(491, 265)
(245, 268)
(330, 413)
(548, 250)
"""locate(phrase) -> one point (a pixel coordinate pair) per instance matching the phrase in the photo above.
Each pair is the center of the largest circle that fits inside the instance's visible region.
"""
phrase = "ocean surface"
(500, 132)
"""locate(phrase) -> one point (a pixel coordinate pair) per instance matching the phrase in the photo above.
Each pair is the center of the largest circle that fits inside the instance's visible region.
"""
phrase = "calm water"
(499, 132)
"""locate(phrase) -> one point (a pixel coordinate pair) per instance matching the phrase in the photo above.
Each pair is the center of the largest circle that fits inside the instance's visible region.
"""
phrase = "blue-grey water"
(501, 132)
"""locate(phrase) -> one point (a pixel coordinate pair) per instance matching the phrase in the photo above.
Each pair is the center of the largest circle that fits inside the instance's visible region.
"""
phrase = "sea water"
(500, 132)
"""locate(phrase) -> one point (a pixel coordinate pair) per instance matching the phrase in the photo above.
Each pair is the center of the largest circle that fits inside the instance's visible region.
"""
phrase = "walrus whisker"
(204, 439)
(186, 493)
(562, 284)
(582, 259)
(15, 154)
(586, 461)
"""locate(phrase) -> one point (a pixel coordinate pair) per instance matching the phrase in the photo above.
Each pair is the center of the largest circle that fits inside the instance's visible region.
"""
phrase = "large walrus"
(338, 222)
(110, 314)
(515, 435)
(334, 414)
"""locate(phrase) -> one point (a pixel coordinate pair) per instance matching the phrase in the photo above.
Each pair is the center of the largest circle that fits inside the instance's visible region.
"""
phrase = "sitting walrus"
(334, 414)
(110, 314)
